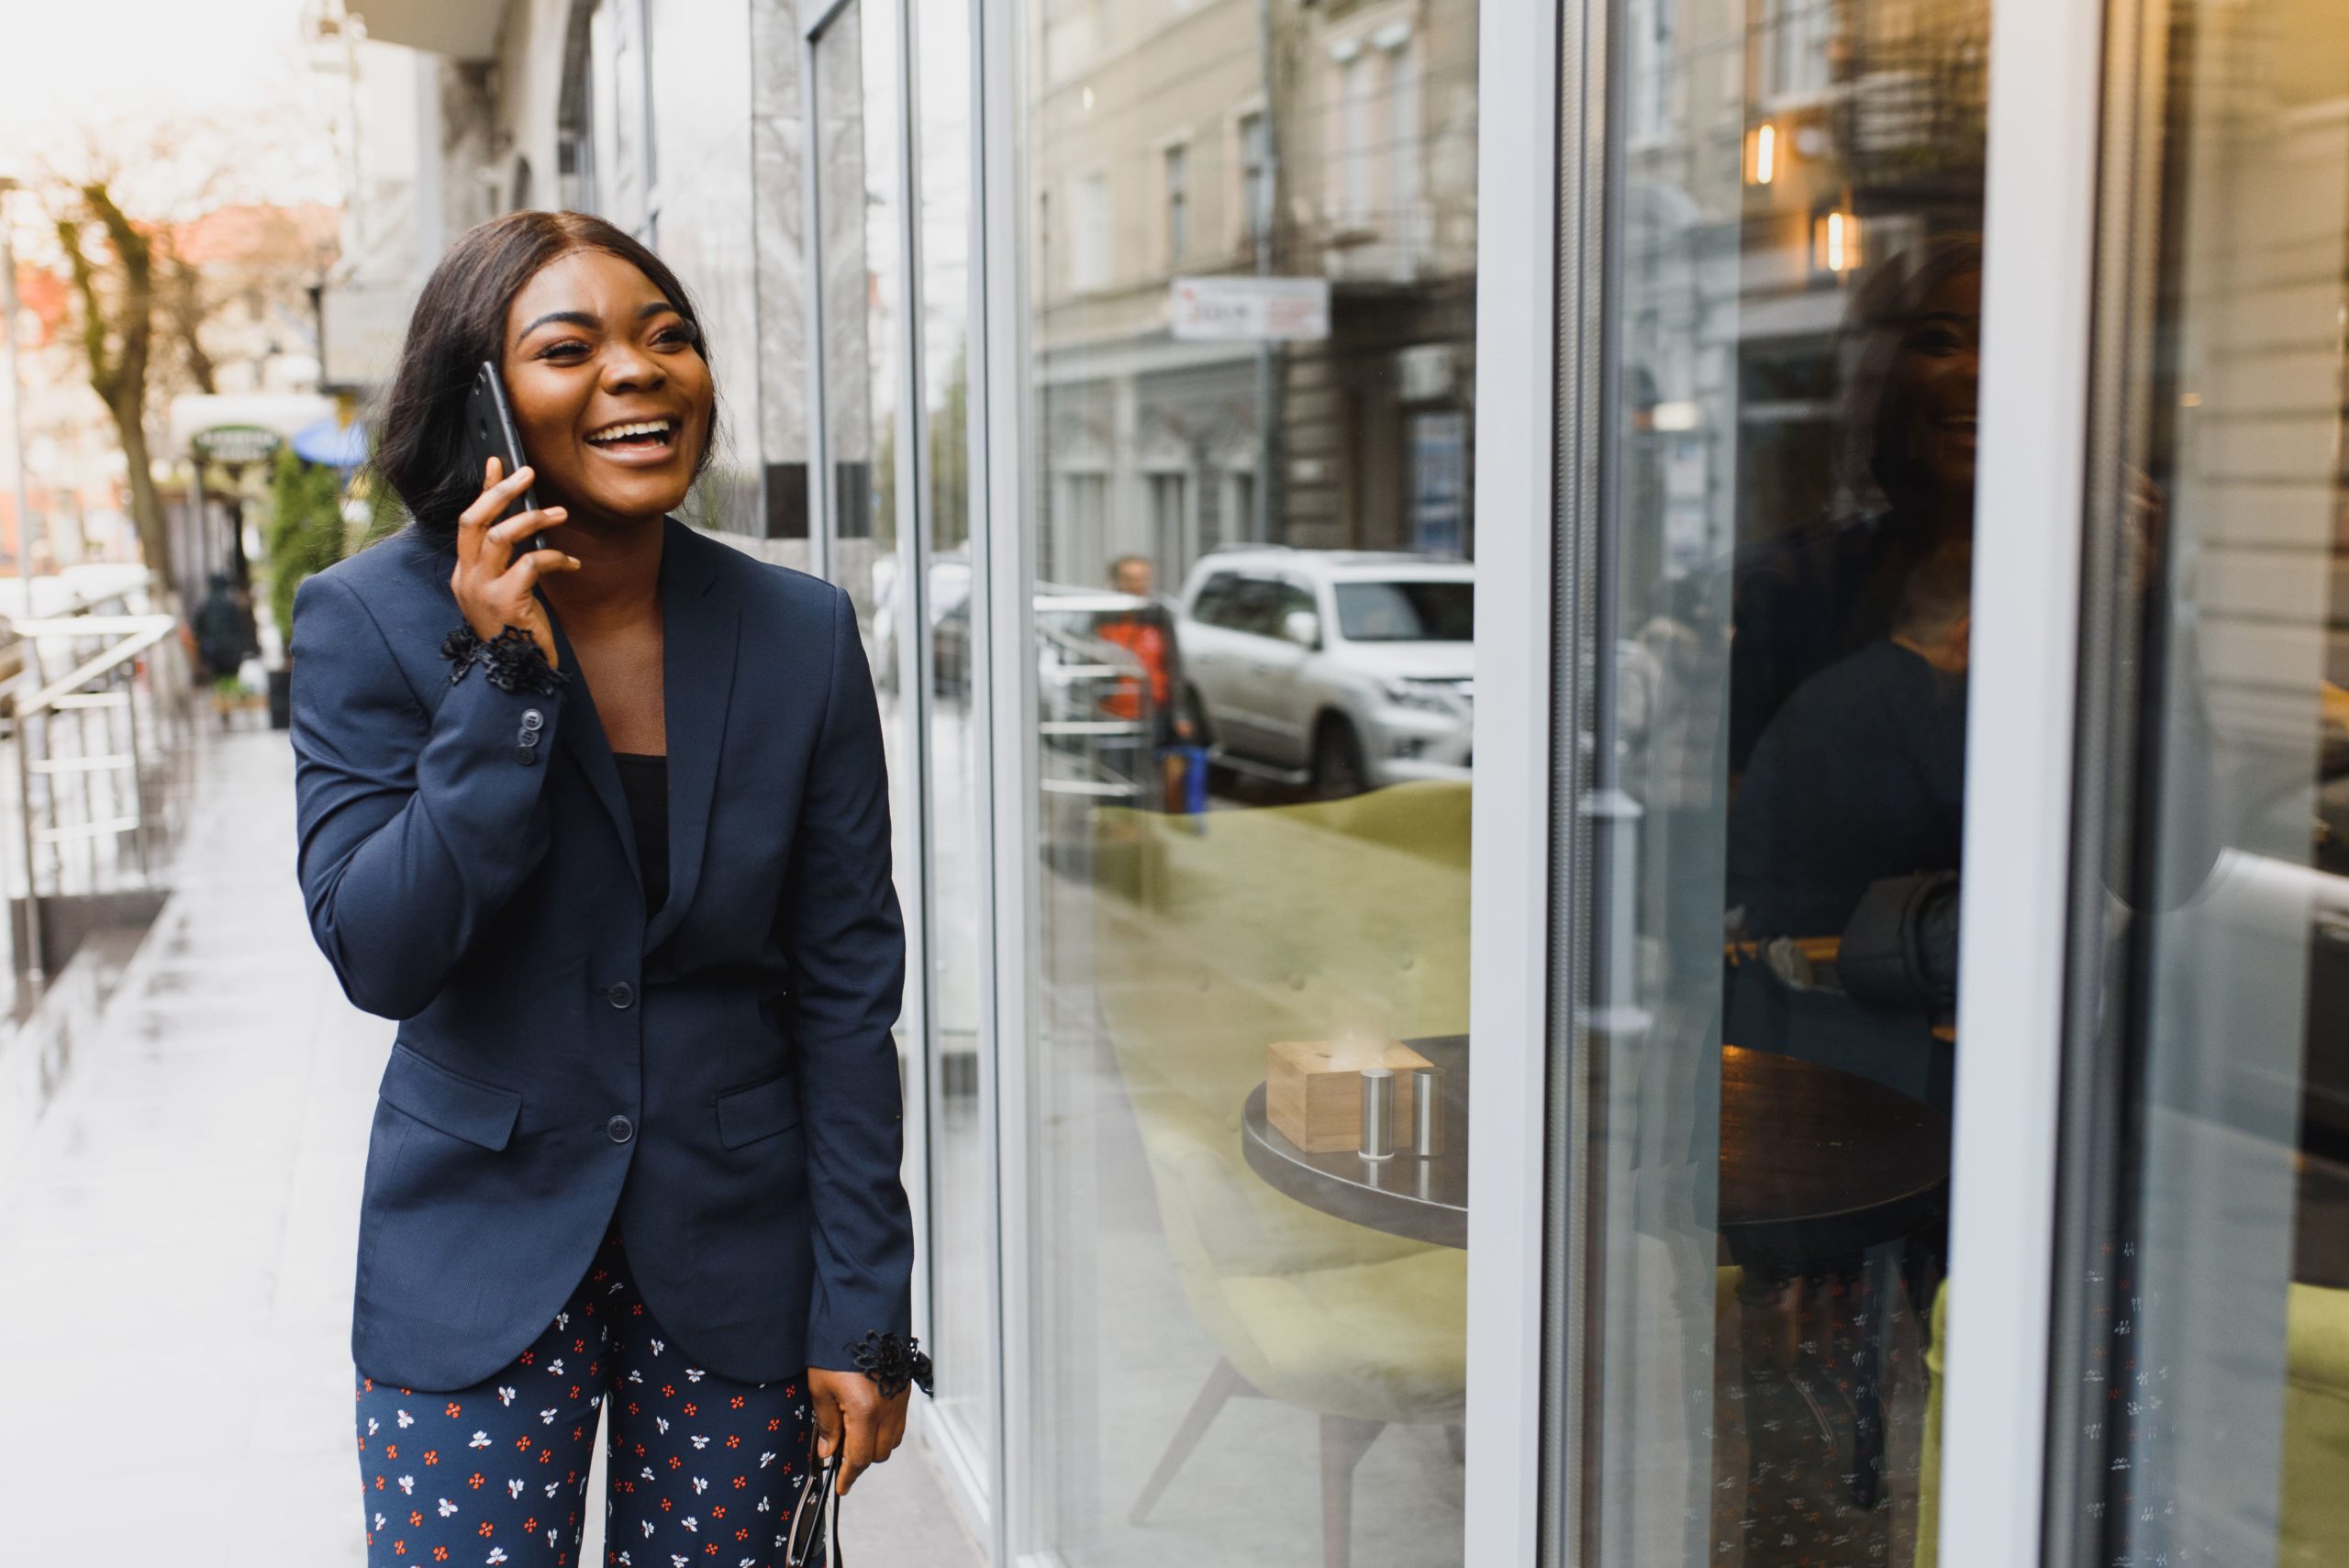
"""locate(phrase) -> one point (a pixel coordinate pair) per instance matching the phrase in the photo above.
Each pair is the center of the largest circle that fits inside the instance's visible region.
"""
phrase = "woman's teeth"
(643, 431)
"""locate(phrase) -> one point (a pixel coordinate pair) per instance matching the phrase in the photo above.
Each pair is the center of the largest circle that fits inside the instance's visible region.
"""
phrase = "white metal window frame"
(973, 1474)
(2046, 79)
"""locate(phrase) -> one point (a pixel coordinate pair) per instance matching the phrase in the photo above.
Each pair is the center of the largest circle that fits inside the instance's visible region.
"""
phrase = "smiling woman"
(633, 911)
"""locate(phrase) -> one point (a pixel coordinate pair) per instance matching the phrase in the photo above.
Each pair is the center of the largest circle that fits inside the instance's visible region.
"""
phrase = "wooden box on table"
(1313, 1090)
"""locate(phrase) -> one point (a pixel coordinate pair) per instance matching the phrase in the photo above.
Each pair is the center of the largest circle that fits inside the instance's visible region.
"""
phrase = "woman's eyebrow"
(585, 319)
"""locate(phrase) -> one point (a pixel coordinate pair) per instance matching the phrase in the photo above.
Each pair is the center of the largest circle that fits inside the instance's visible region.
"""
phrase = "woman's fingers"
(857, 1452)
(502, 538)
(495, 496)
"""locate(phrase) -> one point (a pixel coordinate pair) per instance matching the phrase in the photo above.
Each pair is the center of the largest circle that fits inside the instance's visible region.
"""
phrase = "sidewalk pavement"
(176, 1241)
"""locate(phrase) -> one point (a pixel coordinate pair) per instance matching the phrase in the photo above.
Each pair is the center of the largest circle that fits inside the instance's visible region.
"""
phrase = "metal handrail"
(140, 633)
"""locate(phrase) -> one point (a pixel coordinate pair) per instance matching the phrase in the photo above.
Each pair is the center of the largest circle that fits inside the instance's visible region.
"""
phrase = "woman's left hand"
(855, 1420)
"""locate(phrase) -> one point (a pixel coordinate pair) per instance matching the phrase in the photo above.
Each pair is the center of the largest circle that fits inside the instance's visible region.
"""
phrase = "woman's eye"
(675, 337)
(566, 351)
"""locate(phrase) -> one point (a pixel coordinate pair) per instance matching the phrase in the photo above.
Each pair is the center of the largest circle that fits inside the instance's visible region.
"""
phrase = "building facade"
(1530, 1109)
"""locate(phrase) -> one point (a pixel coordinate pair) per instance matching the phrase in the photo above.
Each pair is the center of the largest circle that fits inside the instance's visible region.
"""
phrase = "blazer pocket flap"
(456, 1106)
(758, 1110)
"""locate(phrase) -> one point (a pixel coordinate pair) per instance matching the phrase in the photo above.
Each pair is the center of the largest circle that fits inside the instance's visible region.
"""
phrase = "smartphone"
(489, 433)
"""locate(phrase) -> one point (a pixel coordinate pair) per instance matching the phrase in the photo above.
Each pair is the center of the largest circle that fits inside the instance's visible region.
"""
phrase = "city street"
(176, 1238)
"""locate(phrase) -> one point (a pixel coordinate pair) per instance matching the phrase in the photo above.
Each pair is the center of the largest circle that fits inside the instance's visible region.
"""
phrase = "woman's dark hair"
(1875, 471)
(460, 321)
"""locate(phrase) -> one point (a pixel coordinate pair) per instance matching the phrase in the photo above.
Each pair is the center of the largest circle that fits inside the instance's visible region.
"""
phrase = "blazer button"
(533, 719)
(526, 755)
(620, 1128)
(622, 995)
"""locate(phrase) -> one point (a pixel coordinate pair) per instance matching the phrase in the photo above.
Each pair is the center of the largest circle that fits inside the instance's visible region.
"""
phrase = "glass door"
(1764, 602)
(2201, 1366)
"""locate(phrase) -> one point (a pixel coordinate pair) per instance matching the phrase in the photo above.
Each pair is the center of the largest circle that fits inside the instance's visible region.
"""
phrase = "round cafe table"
(1816, 1164)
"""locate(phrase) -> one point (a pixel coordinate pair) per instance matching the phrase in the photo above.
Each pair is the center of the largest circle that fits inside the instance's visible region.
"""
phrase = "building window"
(1799, 31)
(1256, 176)
(1358, 101)
(1089, 239)
(1176, 162)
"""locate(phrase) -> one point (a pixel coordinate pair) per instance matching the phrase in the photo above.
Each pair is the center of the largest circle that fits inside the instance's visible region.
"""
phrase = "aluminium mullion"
(1515, 445)
(2045, 78)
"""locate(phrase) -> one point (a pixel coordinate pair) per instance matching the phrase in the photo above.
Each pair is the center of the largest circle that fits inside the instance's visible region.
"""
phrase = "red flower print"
(666, 1505)
(637, 1310)
(391, 1450)
(478, 1482)
(523, 1442)
(675, 1463)
(668, 1391)
(454, 1410)
(580, 1346)
(487, 1529)
(735, 1403)
(715, 1513)
(775, 1425)
(741, 1535)
(369, 1383)
(693, 1410)
(527, 1357)
(432, 1456)
(711, 1549)
(546, 1456)
(734, 1440)
(440, 1555)
(399, 1549)
(531, 1526)
(379, 1484)
(574, 1391)
(408, 1391)
(740, 1482)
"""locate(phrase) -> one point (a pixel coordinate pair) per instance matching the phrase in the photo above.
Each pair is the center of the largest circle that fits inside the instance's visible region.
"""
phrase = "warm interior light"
(1835, 242)
(1762, 153)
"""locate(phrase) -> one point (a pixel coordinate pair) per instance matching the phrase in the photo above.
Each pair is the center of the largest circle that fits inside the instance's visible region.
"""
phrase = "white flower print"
(379, 1521)
(700, 1441)
(546, 1417)
(505, 1398)
(406, 1420)
(658, 1346)
(554, 1367)
(373, 1426)
(480, 1440)
(648, 1474)
(447, 1507)
(690, 1523)
(700, 1485)
(408, 1485)
(765, 1459)
(496, 1554)
(694, 1375)
(661, 1422)
(514, 1488)
(563, 1320)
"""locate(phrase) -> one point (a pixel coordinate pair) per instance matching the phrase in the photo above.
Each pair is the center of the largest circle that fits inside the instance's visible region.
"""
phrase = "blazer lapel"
(700, 624)
(581, 734)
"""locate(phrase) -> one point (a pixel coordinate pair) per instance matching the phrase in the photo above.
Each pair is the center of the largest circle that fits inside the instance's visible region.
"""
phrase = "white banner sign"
(1251, 310)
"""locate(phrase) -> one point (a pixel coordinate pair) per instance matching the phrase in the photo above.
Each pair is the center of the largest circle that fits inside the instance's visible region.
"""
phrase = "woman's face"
(612, 399)
(1936, 381)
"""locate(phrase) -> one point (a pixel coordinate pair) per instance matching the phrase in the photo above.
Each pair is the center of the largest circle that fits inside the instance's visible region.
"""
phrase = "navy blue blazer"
(718, 1076)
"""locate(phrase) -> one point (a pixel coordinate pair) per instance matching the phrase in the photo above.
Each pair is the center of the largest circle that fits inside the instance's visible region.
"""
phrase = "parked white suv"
(1344, 669)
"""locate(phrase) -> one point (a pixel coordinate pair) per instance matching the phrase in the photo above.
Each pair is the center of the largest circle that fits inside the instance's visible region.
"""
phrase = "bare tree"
(111, 261)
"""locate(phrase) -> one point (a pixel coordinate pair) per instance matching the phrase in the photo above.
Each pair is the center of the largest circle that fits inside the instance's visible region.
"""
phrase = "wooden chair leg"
(1344, 1439)
(1221, 1384)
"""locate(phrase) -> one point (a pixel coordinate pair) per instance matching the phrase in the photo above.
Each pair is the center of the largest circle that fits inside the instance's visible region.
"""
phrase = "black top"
(645, 781)
(1859, 776)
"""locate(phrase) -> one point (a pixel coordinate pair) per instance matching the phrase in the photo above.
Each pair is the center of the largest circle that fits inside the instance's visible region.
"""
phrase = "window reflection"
(1250, 279)
(1770, 776)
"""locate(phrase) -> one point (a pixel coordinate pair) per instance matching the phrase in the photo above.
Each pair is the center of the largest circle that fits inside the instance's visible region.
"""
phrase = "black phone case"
(489, 433)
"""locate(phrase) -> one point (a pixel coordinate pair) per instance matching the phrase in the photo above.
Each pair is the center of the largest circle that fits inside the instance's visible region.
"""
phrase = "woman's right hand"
(493, 583)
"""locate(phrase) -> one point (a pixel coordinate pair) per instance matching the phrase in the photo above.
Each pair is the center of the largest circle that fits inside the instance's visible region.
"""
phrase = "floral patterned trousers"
(701, 1470)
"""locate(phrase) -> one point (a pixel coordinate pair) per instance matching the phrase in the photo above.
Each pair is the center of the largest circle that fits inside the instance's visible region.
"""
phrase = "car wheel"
(1337, 767)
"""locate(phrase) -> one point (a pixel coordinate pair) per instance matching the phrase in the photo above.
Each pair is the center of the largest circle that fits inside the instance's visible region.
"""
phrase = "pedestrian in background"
(603, 824)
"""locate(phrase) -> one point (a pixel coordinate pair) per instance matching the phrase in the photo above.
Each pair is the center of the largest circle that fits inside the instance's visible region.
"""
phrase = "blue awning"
(330, 445)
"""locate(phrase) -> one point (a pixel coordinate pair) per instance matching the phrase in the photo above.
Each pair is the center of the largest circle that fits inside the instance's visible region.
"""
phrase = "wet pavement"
(178, 1212)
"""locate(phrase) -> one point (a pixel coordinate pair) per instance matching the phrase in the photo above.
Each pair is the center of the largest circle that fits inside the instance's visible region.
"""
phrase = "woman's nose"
(627, 368)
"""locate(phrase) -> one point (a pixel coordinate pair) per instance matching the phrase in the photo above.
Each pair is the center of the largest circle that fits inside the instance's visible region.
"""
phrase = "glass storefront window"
(1762, 753)
(1246, 457)
(2202, 1330)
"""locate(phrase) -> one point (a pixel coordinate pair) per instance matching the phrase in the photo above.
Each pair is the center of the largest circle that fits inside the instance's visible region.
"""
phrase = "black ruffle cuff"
(511, 660)
(891, 1362)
